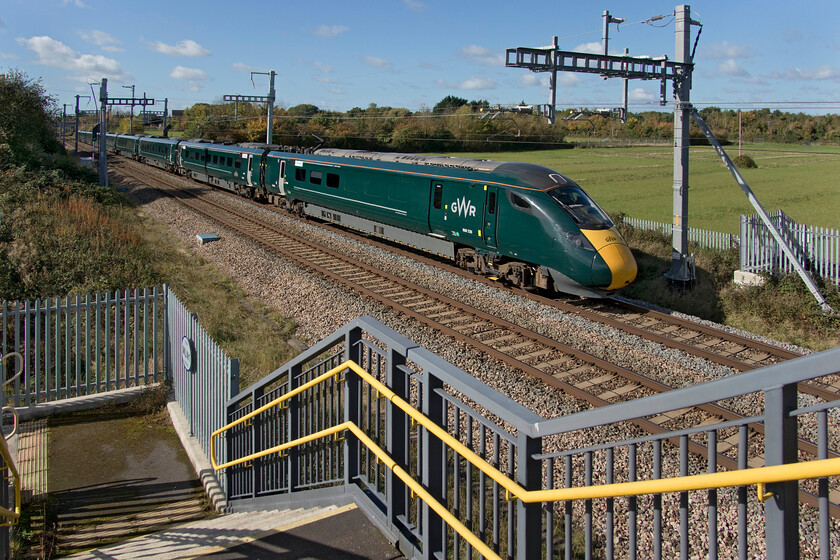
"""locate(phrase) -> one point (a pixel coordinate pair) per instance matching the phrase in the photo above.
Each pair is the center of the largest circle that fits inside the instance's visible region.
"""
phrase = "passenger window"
(300, 174)
(238, 164)
(215, 159)
(315, 177)
(332, 180)
(229, 162)
(438, 197)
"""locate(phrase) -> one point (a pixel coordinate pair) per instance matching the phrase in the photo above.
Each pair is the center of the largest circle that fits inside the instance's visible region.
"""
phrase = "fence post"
(352, 405)
(433, 467)
(529, 535)
(396, 437)
(780, 447)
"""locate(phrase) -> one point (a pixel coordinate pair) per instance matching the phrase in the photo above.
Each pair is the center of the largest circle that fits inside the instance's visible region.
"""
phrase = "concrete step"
(208, 535)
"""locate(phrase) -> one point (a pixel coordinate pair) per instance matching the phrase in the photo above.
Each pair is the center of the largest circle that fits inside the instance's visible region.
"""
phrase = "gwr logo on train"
(463, 207)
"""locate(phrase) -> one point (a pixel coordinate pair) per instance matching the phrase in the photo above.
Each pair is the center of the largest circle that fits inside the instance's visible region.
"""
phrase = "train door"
(490, 212)
(249, 170)
(456, 211)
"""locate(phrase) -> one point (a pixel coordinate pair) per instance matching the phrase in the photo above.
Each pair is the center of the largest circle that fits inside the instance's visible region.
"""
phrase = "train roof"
(466, 164)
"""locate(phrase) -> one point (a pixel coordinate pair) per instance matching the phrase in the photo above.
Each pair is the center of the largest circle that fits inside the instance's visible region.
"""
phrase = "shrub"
(745, 161)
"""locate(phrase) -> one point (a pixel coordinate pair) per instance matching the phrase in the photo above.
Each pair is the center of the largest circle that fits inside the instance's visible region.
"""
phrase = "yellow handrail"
(747, 477)
(11, 516)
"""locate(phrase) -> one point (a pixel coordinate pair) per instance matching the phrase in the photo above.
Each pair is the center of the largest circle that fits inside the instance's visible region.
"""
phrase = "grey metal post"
(624, 90)
(434, 530)
(552, 96)
(780, 447)
(528, 516)
(131, 117)
(76, 129)
(270, 125)
(64, 125)
(352, 396)
(165, 113)
(681, 266)
(103, 131)
(396, 437)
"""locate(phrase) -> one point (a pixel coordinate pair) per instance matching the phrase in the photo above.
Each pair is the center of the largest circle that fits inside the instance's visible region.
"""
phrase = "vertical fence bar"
(657, 501)
(713, 497)
(684, 537)
(567, 526)
(742, 494)
(822, 492)
(632, 504)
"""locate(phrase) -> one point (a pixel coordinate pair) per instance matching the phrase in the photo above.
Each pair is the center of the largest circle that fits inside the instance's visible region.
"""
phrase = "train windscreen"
(580, 208)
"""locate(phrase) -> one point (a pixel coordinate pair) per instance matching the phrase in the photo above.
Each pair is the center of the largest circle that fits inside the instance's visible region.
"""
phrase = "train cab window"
(332, 180)
(315, 177)
(300, 174)
(438, 196)
(580, 208)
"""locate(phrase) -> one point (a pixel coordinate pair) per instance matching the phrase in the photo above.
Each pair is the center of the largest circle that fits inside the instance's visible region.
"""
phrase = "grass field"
(803, 181)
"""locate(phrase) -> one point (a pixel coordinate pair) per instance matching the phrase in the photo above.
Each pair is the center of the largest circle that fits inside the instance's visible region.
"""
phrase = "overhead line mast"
(551, 59)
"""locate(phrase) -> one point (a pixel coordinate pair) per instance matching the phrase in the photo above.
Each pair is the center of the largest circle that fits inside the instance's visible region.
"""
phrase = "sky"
(413, 53)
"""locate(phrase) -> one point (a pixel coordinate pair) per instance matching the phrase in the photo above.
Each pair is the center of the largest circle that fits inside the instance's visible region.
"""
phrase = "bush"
(745, 161)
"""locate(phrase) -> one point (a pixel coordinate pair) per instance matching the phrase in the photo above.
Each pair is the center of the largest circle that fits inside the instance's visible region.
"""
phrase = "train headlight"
(579, 240)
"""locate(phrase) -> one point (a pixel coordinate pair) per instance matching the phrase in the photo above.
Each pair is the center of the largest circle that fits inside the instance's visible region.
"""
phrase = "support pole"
(682, 265)
(103, 133)
(765, 218)
(165, 113)
(270, 124)
(76, 129)
(552, 96)
(64, 126)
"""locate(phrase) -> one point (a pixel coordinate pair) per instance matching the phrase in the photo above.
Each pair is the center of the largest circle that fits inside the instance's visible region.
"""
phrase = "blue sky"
(412, 53)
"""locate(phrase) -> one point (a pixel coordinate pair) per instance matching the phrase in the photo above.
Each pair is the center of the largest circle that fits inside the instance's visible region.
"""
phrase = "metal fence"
(702, 237)
(203, 377)
(818, 249)
(494, 479)
(78, 346)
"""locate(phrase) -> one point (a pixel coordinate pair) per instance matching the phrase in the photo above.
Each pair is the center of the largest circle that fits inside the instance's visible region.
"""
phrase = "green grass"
(801, 180)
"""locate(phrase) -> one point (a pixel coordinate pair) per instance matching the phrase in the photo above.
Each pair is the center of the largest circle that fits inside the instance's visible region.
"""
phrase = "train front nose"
(621, 264)
(613, 266)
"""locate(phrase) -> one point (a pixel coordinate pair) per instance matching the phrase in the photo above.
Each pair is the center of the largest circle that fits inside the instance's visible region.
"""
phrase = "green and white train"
(520, 222)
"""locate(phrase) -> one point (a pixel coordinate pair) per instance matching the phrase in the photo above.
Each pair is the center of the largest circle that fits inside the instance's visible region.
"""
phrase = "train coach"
(523, 223)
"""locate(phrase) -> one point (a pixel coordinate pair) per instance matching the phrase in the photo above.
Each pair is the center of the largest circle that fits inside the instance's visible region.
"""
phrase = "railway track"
(581, 375)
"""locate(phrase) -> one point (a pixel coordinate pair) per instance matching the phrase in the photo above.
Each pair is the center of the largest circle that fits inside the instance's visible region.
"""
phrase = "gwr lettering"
(463, 207)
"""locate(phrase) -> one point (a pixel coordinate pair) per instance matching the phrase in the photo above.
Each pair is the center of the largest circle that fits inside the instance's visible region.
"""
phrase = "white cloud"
(732, 68)
(335, 91)
(414, 5)
(330, 30)
(101, 39)
(564, 79)
(592, 47)
(824, 72)
(76, 3)
(189, 74)
(376, 62)
(473, 83)
(186, 47)
(7, 56)
(84, 66)
(325, 68)
(639, 94)
(241, 67)
(477, 83)
(484, 56)
(724, 49)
